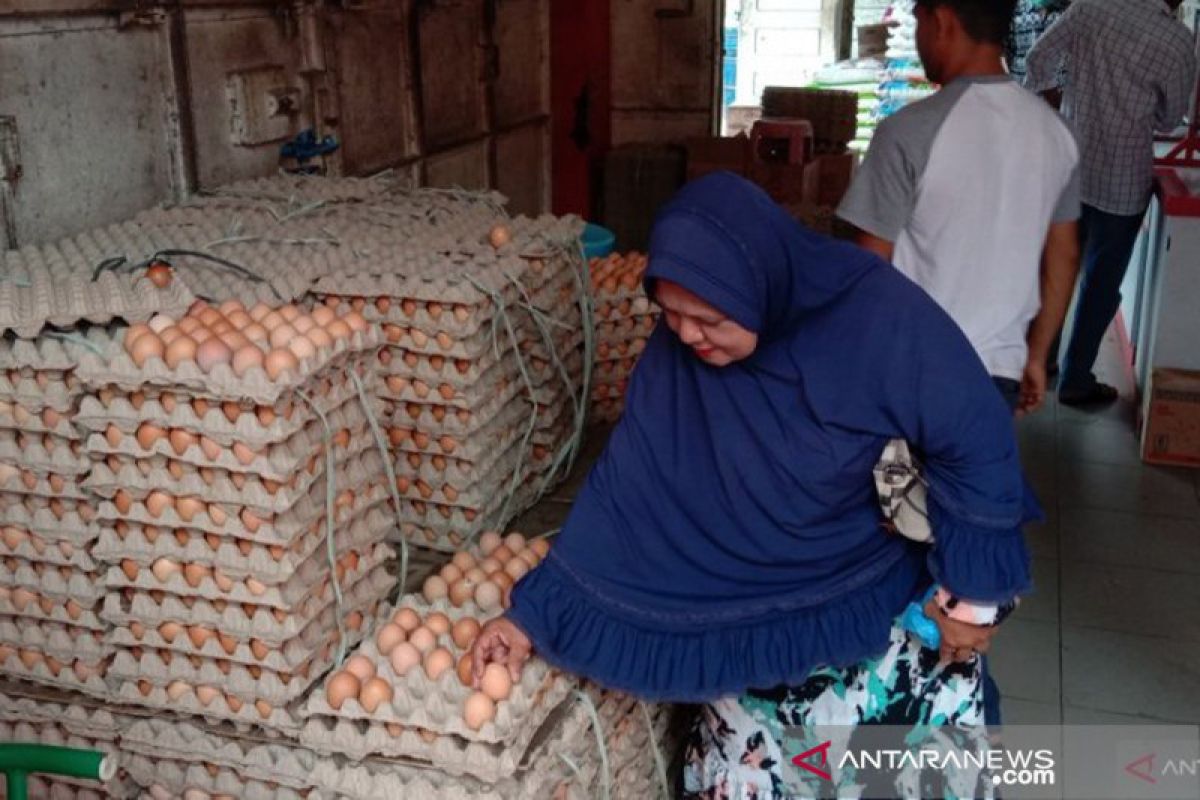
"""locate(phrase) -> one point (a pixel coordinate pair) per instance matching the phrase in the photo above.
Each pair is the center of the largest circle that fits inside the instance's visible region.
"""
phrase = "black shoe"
(1099, 394)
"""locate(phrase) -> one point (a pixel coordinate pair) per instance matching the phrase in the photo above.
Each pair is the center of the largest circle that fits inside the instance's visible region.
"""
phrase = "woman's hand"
(500, 642)
(960, 640)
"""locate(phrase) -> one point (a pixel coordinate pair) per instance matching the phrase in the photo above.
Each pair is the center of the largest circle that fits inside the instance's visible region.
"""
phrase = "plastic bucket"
(597, 241)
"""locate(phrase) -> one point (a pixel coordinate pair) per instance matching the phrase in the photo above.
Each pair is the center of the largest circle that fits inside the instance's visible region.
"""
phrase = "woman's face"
(713, 336)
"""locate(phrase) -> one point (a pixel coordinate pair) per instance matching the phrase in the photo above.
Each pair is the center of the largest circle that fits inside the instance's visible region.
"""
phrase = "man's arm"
(1175, 95)
(1042, 64)
(1060, 267)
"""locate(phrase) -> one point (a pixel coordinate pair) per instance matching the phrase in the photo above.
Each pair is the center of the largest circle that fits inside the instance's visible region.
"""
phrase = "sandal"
(1097, 395)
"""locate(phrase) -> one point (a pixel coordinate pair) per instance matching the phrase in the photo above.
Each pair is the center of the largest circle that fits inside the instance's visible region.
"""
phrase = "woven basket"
(833, 113)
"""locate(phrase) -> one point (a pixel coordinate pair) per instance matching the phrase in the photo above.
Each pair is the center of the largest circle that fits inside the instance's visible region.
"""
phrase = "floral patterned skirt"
(740, 748)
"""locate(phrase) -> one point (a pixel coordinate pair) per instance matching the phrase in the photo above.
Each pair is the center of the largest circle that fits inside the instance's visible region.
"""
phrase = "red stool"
(782, 141)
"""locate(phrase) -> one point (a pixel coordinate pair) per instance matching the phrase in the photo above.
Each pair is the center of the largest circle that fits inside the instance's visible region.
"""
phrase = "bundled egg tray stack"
(625, 318)
(51, 588)
(241, 503)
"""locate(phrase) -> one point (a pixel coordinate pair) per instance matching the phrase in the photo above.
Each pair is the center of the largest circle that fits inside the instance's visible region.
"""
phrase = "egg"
(478, 711)
(489, 541)
(244, 454)
(206, 694)
(199, 636)
(489, 565)
(211, 450)
(163, 569)
(516, 568)
(323, 315)
(355, 322)
(438, 622)
(374, 693)
(437, 662)
(195, 574)
(302, 347)
(303, 324)
(320, 338)
(246, 358)
(290, 313)
(259, 311)
(461, 592)
(499, 236)
(515, 542)
(338, 330)
(146, 347)
(423, 639)
(360, 667)
(223, 581)
(450, 573)
(340, 688)
(182, 348)
(502, 579)
(487, 596)
(257, 334)
(529, 557)
(169, 630)
(502, 554)
(133, 333)
(496, 683)
(279, 361)
(475, 575)
(177, 689)
(212, 353)
(389, 636)
(188, 507)
(231, 307)
(157, 503)
(540, 547)
(435, 588)
(403, 658)
(181, 440)
(263, 708)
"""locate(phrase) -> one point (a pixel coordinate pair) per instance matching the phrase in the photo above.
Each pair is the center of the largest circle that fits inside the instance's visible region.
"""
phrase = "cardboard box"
(1171, 423)
(717, 153)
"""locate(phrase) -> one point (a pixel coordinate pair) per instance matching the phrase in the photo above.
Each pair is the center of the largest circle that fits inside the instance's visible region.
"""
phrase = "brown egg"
(478, 711)
(389, 636)
(113, 435)
(195, 574)
(212, 353)
(434, 589)
(240, 320)
(259, 311)
(200, 406)
(450, 573)
(355, 322)
(181, 440)
(338, 330)
(257, 334)
(360, 667)
(164, 568)
(438, 622)
(496, 683)
(182, 348)
(188, 507)
(256, 587)
(487, 596)
(323, 315)
(279, 361)
(475, 575)
(133, 333)
(223, 581)
(263, 708)
(157, 503)
(403, 658)
(461, 592)
(341, 687)
(437, 662)
(540, 547)
(489, 565)
(374, 693)
(146, 347)
(302, 348)
(502, 554)
(514, 542)
(465, 670)
(199, 635)
(463, 560)
(499, 236)
(177, 689)
(259, 650)
(130, 568)
(244, 454)
(206, 694)
(217, 514)
(211, 450)
(247, 358)
(529, 557)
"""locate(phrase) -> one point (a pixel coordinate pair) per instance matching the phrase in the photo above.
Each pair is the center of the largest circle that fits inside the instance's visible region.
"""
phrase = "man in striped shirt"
(1130, 71)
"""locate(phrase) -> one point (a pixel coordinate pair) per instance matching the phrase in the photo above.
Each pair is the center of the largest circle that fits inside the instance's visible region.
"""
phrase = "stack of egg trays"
(51, 589)
(625, 317)
(63, 719)
(482, 344)
(225, 580)
(424, 721)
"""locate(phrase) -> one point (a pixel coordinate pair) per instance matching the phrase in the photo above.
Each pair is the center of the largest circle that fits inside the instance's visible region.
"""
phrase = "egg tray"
(51, 735)
(309, 580)
(613, 369)
(40, 673)
(50, 554)
(30, 452)
(360, 456)
(607, 411)
(14, 416)
(609, 309)
(70, 527)
(67, 711)
(276, 718)
(45, 288)
(273, 628)
(64, 642)
(449, 535)
(85, 588)
(85, 617)
(608, 391)
(95, 415)
(279, 462)
(626, 329)
(369, 524)
(31, 483)
(166, 779)
(116, 368)
(363, 595)
(469, 488)
(281, 529)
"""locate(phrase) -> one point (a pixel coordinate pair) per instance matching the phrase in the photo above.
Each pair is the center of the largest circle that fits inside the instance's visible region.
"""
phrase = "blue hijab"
(730, 537)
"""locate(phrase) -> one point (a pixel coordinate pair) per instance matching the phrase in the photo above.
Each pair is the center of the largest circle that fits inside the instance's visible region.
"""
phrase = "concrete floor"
(1112, 633)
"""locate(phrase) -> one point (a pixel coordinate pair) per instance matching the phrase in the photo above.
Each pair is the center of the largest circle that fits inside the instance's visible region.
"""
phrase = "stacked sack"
(483, 371)
(241, 500)
(625, 318)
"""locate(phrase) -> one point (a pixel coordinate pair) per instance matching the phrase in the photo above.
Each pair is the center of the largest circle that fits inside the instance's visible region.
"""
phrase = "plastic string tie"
(601, 747)
(389, 471)
(660, 766)
(75, 338)
(571, 765)
(330, 544)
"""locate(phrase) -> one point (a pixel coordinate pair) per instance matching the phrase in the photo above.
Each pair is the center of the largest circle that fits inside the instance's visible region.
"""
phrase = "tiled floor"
(1113, 631)
(1113, 634)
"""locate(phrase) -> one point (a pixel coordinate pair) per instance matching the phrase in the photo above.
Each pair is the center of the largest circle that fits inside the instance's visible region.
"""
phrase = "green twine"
(660, 766)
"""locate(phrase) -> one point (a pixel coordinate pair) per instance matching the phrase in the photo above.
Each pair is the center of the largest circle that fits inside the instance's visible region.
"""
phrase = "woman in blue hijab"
(728, 546)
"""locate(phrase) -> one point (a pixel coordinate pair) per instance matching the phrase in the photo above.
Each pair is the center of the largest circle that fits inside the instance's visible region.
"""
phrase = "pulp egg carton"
(51, 735)
(38, 391)
(73, 713)
(608, 391)
(278, 529)
(31, 604)
(617, 275)
(613, 369)
(43, 453)
(437, 532)
(29, 482)
(607, 411)
(614, 310)
(78, 674)
(221, 707)
(166, 779)
(286, 418)
(54, 518)
(311, 579)
(47, 286)
(116, 368)
(273, 627)
(235, 491)
(241, 558)
(22, 544)
(626, 329)
(16, 416)
(64, 642)
(66, 583)
(454, 487)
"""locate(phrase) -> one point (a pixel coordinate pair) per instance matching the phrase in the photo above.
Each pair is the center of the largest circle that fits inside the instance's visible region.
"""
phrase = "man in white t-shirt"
(974, 194)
